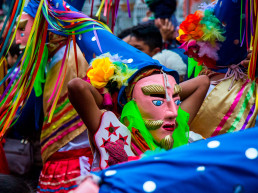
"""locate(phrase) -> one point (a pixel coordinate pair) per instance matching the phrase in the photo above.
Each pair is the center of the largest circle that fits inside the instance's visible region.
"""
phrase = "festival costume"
(111, 132)
(63, 130)
(123, 67)
(110, 150)
(194, 159)
(218, 42)
(142, 140)
(226, 111)
(111, 72)
(62, 168)
(189, 164)
(65, 149)
(113, 67)
(65, 126)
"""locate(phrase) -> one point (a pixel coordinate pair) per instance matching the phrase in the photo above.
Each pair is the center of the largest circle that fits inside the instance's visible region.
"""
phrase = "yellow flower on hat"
(101, 72)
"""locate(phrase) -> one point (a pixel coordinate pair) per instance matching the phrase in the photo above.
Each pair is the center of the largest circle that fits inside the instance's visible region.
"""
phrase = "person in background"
(121, 75)
(64, 146)
(223, 56)
(13, 54)
(164, 20)
(147, 38)
(11, 184)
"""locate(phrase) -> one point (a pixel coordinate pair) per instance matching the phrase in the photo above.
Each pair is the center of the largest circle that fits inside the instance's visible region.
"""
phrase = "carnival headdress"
(114, 63)
(218, 34)
(107, 53)
(74, 5)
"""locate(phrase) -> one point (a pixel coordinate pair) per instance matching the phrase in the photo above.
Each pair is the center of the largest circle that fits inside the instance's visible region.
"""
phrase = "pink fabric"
(139, 152)
(107, 101)
(116, 152)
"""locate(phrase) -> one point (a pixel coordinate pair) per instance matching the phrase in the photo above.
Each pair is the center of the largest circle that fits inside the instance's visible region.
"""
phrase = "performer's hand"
(166, 29)
(246, 61)
(88, 185)
(193, 93)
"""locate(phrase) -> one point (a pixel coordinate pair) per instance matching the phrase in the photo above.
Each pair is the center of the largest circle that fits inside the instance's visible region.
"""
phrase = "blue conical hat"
(77, 4)
(98, 42)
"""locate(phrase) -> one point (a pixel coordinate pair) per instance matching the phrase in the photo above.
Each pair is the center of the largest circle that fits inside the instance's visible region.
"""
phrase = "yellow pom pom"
(101, 72)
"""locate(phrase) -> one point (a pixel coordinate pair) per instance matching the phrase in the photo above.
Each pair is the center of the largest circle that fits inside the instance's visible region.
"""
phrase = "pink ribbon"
(231, 109)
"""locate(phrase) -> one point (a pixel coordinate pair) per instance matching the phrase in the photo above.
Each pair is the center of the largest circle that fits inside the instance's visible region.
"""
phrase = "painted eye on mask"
(177, 102)
(157, 102)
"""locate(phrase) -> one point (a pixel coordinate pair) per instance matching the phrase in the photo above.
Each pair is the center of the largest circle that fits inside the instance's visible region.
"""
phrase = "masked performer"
(65, 149)
(218, 37)
(147, 93)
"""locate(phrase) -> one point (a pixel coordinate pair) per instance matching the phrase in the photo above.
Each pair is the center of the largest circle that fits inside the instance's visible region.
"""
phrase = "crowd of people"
(162, 106)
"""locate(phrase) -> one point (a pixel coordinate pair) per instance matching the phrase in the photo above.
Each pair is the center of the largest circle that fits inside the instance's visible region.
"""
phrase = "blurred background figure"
(147, 38)
(1, 7)
(13, 55)
(11, 184)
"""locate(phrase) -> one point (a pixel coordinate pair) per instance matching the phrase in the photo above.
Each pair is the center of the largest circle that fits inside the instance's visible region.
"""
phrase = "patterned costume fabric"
(65, 126)
(63, 159)
(235, 109)
(66, 123)
(226, 163)
(111, 133)
(61, 169)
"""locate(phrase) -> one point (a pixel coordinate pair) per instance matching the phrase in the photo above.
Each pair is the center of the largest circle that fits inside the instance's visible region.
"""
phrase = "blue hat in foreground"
(226, 163)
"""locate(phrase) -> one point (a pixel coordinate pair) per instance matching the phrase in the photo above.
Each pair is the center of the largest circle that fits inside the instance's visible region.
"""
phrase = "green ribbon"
(242, 109)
